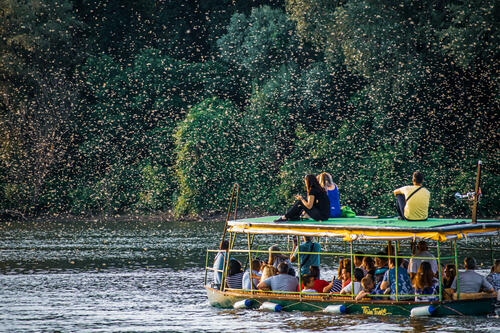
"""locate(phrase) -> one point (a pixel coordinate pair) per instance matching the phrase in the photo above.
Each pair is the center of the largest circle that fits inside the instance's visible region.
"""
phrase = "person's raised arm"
(310, 201)
(292, 255)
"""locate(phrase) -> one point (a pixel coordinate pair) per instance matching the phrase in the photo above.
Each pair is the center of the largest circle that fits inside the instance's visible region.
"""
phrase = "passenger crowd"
(371, 276)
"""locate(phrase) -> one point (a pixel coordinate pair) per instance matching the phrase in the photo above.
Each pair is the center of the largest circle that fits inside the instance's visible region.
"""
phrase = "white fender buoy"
(422, 311)
(268, 306)
(336, 309)
(243, 304)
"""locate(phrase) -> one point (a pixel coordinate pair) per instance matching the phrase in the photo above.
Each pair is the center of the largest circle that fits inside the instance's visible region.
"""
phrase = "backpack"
(346, 211)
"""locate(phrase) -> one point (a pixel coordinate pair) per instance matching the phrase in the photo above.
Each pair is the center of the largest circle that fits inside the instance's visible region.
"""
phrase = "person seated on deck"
(450, 271)
(277, 258)
(308, 281)
(470, 281)
(267, 271)
(252, 275)
(369, 288)
(404, 286)
(422, 251)
(337, 284)
(310, 258)
(218, 265)
(494, 277)
(234, 275)
(368, 266)
(317, 205)
(412, 202)
(425, 284)
(325, 180)
(281, 282)
(358, 260)
(354, 287)
(318, 284)
(381, 267)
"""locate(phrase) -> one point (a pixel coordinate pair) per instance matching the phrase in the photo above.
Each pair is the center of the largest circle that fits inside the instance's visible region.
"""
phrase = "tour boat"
(443, 235)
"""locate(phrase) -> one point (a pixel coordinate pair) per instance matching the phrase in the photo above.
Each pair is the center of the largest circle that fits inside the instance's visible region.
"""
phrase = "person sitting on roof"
(369, 287)
(403, 286)
(325, 180)
(412, 202)
(422, 251)
(354, 287)
(252, 275)
(425, 284)
(309, 254)
(317, 205)
(281, 282)
(234, 274)
(470, 281)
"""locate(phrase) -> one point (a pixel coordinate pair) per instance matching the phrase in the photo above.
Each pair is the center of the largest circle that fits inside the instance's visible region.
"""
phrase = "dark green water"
(148, 277)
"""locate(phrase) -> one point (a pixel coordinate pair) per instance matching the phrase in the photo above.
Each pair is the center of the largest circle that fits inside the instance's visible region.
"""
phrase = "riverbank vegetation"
(160, 106)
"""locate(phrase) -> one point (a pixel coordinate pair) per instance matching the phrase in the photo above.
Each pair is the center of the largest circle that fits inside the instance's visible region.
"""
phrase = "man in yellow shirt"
(412, 202)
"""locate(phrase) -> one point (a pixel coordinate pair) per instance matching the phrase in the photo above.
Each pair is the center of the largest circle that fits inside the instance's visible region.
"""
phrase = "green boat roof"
(370, 227)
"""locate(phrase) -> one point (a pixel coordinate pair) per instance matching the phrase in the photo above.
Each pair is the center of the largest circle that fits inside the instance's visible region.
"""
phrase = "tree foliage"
(110, 107)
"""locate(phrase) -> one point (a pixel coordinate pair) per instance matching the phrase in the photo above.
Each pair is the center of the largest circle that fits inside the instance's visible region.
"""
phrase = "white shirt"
(415, 263)
(348, 289)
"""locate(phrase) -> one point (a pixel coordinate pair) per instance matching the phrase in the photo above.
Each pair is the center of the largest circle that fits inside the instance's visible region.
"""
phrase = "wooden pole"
(476, 193)
(236, 188)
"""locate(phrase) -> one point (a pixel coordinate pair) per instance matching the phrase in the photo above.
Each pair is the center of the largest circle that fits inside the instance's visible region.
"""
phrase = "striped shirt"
(336, 286)
(235, 281)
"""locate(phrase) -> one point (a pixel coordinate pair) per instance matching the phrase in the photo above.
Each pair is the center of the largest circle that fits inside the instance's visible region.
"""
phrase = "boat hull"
(473, 307)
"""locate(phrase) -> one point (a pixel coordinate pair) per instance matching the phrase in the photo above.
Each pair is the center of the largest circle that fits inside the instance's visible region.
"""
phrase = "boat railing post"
(456, 265)
(491, 251)
(439, 273)
(476, 193)
(250, 261)
(236, 188)
(299, 268)
(397, 264)
(352, 269)
(232, 237)
(206, 269)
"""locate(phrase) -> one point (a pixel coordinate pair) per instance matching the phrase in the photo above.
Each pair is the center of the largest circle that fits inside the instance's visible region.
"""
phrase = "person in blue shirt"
(254, 273)
(326, 181)
(219, 262)
(369, 289)
(306, 259)
(404, 286)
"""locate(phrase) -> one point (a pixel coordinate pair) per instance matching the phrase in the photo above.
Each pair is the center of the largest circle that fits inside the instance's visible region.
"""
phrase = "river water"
(125, 276)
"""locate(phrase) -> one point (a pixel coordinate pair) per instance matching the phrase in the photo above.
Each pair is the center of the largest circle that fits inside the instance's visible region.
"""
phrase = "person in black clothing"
(316, 206)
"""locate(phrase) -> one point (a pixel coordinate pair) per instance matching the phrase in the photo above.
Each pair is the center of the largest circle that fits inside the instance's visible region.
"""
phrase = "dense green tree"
(38, 97)
(211, 153)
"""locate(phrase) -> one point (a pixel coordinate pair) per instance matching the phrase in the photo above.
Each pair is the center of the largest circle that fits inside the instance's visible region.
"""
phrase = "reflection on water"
(133, 276)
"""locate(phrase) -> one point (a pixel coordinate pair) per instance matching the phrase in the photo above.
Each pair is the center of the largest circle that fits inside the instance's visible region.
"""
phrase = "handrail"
(236, 188)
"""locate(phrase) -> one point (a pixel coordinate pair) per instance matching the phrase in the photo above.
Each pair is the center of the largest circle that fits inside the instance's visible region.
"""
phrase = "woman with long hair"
(450, 272)
(425, 284)
(317, 205)
(326, 181)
